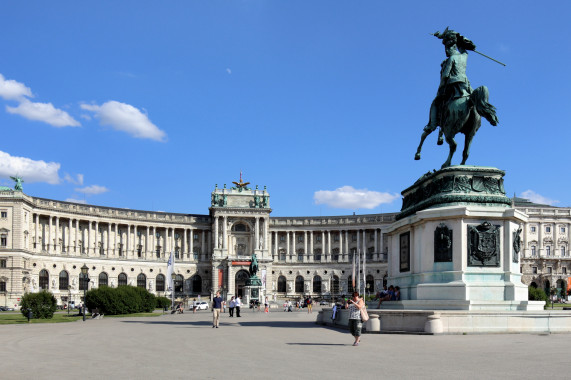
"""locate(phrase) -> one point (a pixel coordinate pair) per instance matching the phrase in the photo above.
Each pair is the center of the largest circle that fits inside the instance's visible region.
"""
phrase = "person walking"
(194, 306)
(266, 306)
(216, 309)
(231, 306)
(309, 304)
(355, 324)
(238, 305)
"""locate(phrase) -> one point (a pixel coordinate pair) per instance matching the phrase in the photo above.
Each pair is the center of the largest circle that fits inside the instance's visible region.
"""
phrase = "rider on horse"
(453, 81)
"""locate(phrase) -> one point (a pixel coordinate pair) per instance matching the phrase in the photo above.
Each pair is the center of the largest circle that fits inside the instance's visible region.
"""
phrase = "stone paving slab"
(278, 346)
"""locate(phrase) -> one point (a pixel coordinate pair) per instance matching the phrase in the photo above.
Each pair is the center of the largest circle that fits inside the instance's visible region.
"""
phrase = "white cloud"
(82, 201)
(12, 90)
(45, 112)
(78, 180)
(537, 198)
(126, 118)
(350, 198)
(30, 170)
(92, 190)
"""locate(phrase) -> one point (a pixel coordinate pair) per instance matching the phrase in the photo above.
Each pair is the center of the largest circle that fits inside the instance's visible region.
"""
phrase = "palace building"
(44, 243)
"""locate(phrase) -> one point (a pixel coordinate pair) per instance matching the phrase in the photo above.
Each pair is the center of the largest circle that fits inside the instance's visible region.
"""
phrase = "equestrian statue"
(457, 108)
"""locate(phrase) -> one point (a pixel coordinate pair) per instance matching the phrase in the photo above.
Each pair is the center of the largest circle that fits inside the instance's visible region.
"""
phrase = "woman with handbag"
(355, 305)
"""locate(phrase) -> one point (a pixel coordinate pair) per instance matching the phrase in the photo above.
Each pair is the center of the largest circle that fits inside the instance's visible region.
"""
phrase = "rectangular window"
(2, 263)
(282, 257)
(335, 237)
(548, 229)
(533, 229)
(4, 214)
(562, 251)
(300, 239)
(534, 270)
(533, 251)
(549, 270)
(318, 238)
(562, 230)
(548, 251)
(3, 241)
(282, 237)
(564, 269)
(354, 237)
(2, 286)
(371, 237)
(300, 257)
(196, 237)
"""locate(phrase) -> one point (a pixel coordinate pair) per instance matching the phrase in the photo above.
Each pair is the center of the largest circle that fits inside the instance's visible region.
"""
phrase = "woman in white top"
(355, 325)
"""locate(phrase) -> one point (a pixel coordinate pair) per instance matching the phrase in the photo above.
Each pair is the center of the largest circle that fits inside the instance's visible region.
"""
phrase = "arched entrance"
(240, 281)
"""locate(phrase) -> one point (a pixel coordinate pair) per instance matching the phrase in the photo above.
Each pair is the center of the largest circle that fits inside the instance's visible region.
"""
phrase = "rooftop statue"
(457, 108)
(19, 181)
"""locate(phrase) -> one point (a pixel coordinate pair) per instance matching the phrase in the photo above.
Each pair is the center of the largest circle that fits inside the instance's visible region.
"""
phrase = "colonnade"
(78, 236)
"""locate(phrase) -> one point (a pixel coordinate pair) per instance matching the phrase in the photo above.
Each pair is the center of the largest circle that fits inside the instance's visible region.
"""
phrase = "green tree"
(536, 294)
(43, 305)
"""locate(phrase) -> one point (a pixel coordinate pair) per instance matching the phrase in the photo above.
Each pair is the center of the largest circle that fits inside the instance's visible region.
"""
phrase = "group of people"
(392, 294)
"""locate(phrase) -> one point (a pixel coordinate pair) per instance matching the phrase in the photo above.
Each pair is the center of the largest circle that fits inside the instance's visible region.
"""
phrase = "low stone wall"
(455, 322)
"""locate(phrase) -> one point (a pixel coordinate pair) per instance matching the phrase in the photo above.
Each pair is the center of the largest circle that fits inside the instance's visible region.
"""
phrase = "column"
(257, 234)
(540, 228)
(376, 250)
(364, 241)
(305, 246)
(183, 244)
(276, 242)
(340, 246)
(191, 244)
(136, 242)
(56, 240)
(49, 232)
(147, 240)
(347, 244)
(154, 240)
(293, 244)
(108, 248)
(328, 246)
(266, 229)
(37, 229)
(382, 250)
(310, 253)
(116, 238)
(322, 245)
(358, 240)
(96, 249)
(75, 243)
(68, 240)
(216, 240)
(287, 246)
(225, 232)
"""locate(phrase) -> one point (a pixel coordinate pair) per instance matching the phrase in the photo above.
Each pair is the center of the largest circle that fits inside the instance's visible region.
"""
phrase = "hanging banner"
(264, 278)
(220, 278)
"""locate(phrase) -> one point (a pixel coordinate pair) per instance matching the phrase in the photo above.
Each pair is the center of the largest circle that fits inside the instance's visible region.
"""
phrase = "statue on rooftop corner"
(19, 181)
(457, 108)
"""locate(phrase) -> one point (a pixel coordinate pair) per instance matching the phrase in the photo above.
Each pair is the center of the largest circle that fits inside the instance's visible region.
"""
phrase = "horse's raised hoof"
(417, 156)
(440, 140)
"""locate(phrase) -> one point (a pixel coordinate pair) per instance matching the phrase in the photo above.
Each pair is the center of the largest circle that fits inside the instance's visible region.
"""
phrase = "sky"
(148, 105)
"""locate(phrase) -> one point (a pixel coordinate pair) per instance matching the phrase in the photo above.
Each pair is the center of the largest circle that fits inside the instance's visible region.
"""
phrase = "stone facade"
(44, 243)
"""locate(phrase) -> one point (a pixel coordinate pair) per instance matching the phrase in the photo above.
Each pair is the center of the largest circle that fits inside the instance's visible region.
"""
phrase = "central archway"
(240, 281)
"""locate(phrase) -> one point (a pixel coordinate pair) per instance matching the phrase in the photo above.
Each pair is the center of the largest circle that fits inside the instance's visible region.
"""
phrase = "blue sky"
(147, 105)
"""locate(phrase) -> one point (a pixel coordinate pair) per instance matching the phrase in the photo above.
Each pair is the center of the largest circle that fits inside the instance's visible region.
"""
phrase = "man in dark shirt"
(216, 308)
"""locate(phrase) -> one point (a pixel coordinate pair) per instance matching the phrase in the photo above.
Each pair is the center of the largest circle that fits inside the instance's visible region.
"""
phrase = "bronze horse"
(464, 115)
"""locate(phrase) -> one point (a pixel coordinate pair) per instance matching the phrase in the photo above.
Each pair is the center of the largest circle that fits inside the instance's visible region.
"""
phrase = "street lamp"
(173, 277)
(368, 285)
(69, 300)
(84, 272)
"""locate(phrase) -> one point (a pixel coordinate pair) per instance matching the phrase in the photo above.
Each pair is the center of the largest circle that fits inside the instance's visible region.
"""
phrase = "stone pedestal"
(253, 290)
(456, 243)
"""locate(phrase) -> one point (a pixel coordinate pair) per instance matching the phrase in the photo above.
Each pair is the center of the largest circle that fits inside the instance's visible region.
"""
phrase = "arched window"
(196, 284)
(335, 285)
(83, 281)
(160, 283)
(317, 284)
(63, 280)
(299, 284)
(141, 281)
(282, 284)
(350, 288)
(370, 283)
(122, 281)
(533, 285)
(44, 279)
(103, 279)
(179, 284)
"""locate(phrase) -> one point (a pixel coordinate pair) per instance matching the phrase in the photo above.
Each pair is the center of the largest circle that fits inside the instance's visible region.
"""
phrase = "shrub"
(42, 304)
(121, 300)
(536, 294)
(162, 302)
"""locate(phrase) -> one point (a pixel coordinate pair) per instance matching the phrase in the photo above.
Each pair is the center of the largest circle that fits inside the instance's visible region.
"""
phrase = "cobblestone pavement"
(278, 346)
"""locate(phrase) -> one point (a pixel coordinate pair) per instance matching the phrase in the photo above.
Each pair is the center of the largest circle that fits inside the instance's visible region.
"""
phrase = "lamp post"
(84, 272)
(69, 300)
(173, 277)
(368, 285)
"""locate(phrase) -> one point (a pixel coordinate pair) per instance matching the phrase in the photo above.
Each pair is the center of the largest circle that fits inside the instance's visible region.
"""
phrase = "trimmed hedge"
(42, 304)
(537, 294)
(163, 302)
(121, 300)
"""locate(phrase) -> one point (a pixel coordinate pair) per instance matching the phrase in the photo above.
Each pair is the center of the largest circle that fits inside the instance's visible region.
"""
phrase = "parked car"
(202, 305)
(5, 308)
(324, 302)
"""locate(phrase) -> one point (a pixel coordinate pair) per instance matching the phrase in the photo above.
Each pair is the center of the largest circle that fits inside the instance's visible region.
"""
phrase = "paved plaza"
(278, 346)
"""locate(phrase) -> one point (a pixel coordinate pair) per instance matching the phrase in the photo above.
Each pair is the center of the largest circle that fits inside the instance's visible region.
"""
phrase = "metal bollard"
(30, 315)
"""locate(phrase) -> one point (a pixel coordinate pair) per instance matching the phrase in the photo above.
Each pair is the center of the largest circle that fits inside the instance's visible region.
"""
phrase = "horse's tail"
(479, 99)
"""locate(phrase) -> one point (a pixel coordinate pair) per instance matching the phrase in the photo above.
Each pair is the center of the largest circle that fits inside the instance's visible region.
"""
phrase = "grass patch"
(153, 314)
(8, 318)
